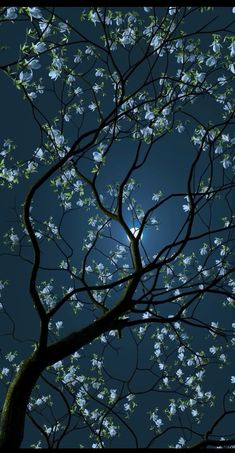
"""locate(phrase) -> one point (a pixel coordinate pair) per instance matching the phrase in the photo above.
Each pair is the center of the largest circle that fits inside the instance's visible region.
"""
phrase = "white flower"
(232, 68)
(92, 106)
(89, 51)
(226, 162)
(186, 207)
(97, 156)
(200, 76)
(222, 357)
(192, 402)
(180, 128)
(48, 430)
(232, 379)
(96, 88)
(93, 16)
(157, 196)
(54, 74)
(78, 91)
(147, 131)
(39, 47)
(225, 138)
(149, 115)
(38, 402)
(215, 46)
(57, 365)
(146, 315)
(39, 153)
(204, 250)
(2, 286)
(219, 149)
(147, 9)
(232, 47)
(5, 371)
(113, 394)
(128, 37)
(34, 64)
(11, 13)
(179, 373)
(213, 350)
(126, 406)
(208, 395)
(10, 356)
(112, 431)
(32, 95)
(172, 10)
(156, 41)
(77, 58)
(181, 441)
(45, 28)
(214, 325)
(14, 238)
(187, 260)
(172, 408)
(211, 61)
(35, 12)
(157, 420)
(222, 80)
(63, 27)
(26, 76)
(67, 117)
(100, 267)
(59, 325)
(99, 72)
(57, 136)
(97, 363)
(189, 381)
(182, 407)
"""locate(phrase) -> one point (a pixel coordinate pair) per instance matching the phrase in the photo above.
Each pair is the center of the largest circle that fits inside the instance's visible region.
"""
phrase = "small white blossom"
(11, 13)
(59, 325)
(211, 61)
(26, 76)
(5, 371)
(232, 49)
(216, 46)
(35, 12)
(92, 106)
(39, 47)
(97, 156)
(172, 10)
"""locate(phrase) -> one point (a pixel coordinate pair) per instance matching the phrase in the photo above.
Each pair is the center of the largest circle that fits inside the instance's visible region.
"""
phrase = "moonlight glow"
(135, 232)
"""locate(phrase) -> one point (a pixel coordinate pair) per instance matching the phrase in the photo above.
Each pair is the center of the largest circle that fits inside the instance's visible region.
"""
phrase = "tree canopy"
(117, 260)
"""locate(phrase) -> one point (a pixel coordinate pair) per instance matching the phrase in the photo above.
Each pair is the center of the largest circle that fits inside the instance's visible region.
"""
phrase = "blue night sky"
(130, 364)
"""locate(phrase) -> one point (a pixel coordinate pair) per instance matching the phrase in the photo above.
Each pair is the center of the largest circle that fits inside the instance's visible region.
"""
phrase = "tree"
(131, 257)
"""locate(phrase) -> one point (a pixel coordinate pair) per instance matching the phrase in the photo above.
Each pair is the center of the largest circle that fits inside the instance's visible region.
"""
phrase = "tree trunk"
(20, 389)
(17, 398)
